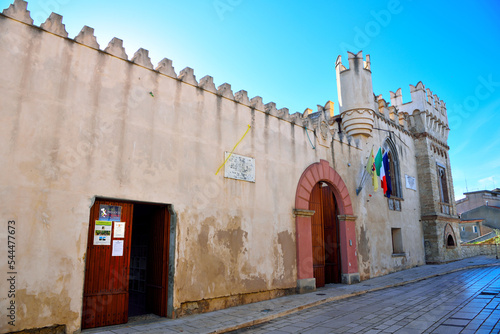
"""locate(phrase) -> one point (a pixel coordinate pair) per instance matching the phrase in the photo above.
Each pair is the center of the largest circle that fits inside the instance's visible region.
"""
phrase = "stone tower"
(428, 121)
(355, 93)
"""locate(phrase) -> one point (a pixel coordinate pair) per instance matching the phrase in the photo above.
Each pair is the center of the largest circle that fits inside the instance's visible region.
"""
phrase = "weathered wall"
(476, 250)
(79, 122)
(375, 220)
(435, 239)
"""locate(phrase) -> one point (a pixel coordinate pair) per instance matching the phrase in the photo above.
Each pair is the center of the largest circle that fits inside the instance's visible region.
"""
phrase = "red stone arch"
(322, 172)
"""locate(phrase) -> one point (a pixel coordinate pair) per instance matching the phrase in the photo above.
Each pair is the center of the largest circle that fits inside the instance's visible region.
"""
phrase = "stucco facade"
(83, 123)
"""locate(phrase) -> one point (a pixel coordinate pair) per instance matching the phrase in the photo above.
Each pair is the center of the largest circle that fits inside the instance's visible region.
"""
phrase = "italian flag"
(387, 175)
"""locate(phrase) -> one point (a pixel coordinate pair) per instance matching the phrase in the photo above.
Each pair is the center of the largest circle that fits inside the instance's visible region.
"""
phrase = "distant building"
(479, 214)
(472, 229)
(489, 214)
(475, 199)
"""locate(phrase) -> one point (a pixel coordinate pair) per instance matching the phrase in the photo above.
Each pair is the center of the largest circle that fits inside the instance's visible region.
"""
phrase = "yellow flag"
(369, 165)
(375, 181)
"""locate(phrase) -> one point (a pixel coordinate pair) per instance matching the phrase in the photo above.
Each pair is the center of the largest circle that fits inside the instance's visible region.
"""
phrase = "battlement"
(355, 92)
(54, 25)
(421, 99)
(356, 62)
(424, 113)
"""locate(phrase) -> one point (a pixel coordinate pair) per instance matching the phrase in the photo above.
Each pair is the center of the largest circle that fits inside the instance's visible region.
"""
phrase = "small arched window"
(392, 154)
(449, 237)
(450, 242)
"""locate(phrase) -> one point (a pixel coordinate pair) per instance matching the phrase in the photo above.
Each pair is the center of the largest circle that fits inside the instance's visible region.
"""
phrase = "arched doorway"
(321, 172)
(325, 235)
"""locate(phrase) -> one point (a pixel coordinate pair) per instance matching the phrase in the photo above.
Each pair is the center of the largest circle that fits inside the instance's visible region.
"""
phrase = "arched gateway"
(316, 176)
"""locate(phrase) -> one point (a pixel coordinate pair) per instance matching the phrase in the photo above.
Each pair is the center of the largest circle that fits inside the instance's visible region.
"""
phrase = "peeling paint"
(364, 254)
(286, 260)
(44, 309)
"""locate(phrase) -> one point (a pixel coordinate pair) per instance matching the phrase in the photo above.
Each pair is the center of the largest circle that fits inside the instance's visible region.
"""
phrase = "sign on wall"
(411, 182)
(239, 167)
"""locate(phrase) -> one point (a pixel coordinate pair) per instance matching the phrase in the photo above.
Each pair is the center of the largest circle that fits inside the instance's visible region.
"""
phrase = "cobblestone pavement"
(262, 312)
(461, 302)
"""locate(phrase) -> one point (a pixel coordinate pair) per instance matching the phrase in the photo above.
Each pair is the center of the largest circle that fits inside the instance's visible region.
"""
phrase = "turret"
(355, 93)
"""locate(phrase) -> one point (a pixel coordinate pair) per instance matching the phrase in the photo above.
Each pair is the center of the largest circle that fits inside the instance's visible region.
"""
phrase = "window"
(394, 174)
(474, 229)
(450, 242)
(449, 236)
(397, 241)
(443, 189)
(443, 184)
(462, 228)
(394, 201)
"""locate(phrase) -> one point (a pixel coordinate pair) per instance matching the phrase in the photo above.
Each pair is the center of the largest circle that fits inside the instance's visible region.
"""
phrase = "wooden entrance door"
(331, 236)
(157, 278)
(106, 287)
(105, 292)
(325, 236)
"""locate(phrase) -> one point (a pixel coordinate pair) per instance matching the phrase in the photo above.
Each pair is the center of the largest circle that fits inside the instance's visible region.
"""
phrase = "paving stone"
(392, 329)
(318, 330)
(405, 330)
(125, 331)
(444, 329)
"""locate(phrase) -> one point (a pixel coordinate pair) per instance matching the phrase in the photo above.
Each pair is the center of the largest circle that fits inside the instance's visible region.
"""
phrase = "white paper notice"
(117, 248)
(119, 231)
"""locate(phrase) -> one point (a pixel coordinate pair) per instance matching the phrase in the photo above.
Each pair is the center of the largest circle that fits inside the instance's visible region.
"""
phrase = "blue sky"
(285, 51)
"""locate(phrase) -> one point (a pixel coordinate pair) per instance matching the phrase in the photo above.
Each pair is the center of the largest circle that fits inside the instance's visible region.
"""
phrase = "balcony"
(394, 203)
(445, 208)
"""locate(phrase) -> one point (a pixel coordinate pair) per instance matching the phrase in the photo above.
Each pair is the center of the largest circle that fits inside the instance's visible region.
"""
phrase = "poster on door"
(102, 233)
(119, 230)
(117, 248)
(110, 212)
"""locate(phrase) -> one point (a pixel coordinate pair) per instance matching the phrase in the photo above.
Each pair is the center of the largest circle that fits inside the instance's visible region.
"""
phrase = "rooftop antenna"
(466, 188)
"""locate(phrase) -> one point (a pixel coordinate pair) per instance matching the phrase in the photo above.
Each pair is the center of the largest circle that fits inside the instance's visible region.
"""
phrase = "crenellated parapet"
(355, 93)
(86, 37)
(425, 113)
(54, 25)
(19, 11)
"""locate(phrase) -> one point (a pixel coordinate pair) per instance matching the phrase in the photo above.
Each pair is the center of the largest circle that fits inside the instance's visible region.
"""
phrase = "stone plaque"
(239, 167)
(411, 182)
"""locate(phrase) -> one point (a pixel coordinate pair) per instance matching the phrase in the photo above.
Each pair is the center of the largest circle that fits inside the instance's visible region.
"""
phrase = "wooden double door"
(325, 235)
(133, 261)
